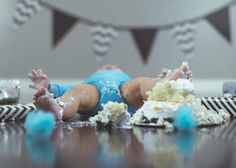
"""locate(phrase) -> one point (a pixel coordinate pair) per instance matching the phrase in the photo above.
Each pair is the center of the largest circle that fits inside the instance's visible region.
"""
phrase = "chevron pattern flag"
(15, 112)
(103, 38)
(217, 103)
(184, 35)
(25, 9)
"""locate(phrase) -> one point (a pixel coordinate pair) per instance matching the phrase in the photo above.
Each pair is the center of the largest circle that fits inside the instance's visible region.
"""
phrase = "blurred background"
(147, 36)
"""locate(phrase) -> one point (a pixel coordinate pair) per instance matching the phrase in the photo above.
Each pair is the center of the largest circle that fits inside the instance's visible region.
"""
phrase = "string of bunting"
(104, 35)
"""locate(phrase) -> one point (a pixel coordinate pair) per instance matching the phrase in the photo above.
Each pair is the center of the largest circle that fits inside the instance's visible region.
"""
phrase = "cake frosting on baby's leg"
(82, 98)
(43, 100)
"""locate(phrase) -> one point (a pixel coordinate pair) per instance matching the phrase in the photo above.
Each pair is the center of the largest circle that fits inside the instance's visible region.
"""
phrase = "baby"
(107, 84)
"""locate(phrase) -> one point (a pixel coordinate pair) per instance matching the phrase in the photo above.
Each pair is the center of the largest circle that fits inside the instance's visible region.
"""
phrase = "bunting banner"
(144, 39)
(184, 35)
(103, 37)
(104, 32)
(62, 24)
(25, 9)
(221, 22)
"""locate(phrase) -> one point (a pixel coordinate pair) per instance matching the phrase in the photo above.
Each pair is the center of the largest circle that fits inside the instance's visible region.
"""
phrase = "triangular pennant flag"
(144, 40)
(221, 21)
(25, 9)
(103, 38)
(62, 24)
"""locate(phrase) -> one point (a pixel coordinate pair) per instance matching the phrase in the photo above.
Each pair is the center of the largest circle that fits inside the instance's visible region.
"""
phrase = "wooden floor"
(138, 147)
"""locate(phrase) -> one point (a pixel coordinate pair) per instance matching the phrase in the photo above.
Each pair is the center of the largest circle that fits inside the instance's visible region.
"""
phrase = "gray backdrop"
(30, 48)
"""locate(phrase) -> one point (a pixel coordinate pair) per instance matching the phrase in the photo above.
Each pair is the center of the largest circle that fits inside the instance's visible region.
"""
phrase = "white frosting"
(157, 110)
(166, 97)
(205, 117)
(114, 113)
(161, 110)
(153, 109)
(180, 90)
(182, 85)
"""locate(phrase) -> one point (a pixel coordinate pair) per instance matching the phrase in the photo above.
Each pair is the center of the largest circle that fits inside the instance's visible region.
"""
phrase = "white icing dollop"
(205, 117)
(182, 85)
(152, 109)
(156, 110)
(113, 112)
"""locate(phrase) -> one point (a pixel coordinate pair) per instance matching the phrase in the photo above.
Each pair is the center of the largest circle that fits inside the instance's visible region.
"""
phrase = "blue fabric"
(59, 90)
(108, 83)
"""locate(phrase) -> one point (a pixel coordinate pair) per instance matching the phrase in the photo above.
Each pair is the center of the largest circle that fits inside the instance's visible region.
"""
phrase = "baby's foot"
(182, 72)
(43, 100)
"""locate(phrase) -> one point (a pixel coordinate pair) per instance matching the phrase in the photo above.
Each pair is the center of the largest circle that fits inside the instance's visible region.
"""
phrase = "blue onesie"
(108, 83)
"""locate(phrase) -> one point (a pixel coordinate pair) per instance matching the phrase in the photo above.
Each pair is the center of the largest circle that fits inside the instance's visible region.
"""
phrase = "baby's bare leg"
(82, 98)
(134, 91)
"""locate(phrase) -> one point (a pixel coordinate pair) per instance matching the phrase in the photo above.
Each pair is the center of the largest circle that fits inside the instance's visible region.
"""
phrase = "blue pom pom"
(40, 123)
(184, 119)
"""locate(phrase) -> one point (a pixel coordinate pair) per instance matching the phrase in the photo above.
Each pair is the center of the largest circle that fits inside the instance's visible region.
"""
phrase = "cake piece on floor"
(113, 114)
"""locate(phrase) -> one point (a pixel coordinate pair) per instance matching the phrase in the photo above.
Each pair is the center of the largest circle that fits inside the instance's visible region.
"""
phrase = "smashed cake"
(165, 99)
(113, 114)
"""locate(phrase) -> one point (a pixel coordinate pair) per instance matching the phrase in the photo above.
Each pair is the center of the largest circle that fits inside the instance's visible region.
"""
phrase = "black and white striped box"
(15, 112)
(228, 104)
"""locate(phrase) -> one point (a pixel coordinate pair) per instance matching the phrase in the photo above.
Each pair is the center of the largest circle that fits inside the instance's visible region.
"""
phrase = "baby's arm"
(134, 91)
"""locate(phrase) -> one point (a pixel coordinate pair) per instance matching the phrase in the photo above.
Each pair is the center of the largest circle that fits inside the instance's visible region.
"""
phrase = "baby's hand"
(39, 79)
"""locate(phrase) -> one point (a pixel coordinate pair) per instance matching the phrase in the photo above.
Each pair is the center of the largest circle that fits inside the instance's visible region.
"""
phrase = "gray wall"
(30, 47)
